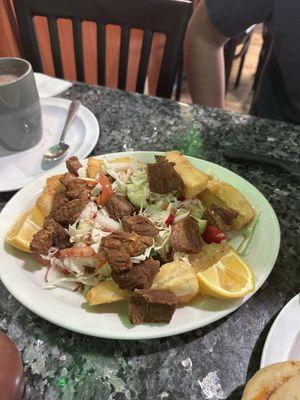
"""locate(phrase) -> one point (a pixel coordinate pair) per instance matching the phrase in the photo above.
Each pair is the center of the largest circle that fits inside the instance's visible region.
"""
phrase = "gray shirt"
(282, 17)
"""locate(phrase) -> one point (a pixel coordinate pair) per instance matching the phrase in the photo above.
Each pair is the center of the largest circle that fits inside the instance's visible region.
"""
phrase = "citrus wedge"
(230, 277)
(21, 233)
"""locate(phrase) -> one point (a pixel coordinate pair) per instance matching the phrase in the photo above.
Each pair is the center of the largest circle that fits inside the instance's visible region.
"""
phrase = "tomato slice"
(213, 234)
(169, 221)
(107, 190)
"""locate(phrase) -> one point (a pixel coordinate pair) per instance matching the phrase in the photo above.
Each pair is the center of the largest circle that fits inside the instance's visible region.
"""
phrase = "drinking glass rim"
(27, 72)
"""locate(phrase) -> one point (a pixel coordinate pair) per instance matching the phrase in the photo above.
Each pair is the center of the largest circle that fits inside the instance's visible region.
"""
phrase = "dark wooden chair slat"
(101, 47)
(123, 63)
(144, 61)
(78, 48)
(54, 39)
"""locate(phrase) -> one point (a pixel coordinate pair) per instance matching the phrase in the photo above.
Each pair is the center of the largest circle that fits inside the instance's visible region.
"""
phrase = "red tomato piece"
(213, 234)
(169, 221)
(107, 191)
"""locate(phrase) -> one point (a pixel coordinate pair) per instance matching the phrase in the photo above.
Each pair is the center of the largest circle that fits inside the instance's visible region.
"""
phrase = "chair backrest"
(169, 17)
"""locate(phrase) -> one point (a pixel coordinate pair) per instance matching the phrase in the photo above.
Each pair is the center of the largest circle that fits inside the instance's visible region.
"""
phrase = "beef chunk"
(41, 242)
(163, 178)
(118, 207)
(140, 225)
(152, 306)
(69, 212)
(75, 187)
(67, 178)
(77, 190)
(220, 217)
(73, 165)
(60, 239)
(140, 276)
(119, 260)
(185, 236)
(131, 243)
(119, 247)
(59, 199)
(159, 158)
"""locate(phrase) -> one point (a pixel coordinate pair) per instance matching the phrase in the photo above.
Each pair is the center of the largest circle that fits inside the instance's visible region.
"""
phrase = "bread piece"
(178, 277)
(225, 195)
(94, 166)
(290, 390)
(23, 230)
(122, 162)
(106, 292)
(269, 379)
(54, 183)
(45, 201)
(195, 181)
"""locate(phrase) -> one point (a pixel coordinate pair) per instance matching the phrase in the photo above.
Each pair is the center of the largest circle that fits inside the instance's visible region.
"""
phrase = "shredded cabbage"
(92, 223)
(139, 177)
(82, 270)
(181, 214)
(142, 257)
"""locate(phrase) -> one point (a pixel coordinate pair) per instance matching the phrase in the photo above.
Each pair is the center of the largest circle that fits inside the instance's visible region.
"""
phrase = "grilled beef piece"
(73, 165)
(77, 189)
(140, 276)
(60, 239)
(131, 243)
(118, 207)
(69, 212)
(160, 158)
(163, 178)
(119, 247)
(140, 225)
(156, 306)
(220, 217)
(118, 260)
(66, 179)
(41, 242)
(59, 199)
(185, 236)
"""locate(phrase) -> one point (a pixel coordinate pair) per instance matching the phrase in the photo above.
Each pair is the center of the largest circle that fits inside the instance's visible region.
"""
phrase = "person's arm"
(205, 60)
(211, 26)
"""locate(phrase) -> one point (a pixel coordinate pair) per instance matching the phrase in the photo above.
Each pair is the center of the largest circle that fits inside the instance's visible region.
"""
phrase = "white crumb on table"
(187, 364)
(211, 386)
(163, 395)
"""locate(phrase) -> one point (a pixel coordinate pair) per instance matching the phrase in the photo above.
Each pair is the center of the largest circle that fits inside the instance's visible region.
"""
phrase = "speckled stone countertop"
(209, 363)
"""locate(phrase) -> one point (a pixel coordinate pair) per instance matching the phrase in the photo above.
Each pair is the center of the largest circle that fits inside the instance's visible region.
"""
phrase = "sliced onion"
(109, 223)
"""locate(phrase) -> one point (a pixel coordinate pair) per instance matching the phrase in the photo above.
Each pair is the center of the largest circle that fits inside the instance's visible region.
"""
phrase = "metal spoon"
(58, 150)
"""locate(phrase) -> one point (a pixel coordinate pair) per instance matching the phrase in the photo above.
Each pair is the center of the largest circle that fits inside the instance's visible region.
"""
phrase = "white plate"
(22, 277)
(283, 341)
(17, 169)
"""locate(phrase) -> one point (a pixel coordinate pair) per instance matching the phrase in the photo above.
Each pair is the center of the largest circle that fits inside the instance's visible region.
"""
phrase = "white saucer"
(17, 169)
(283, 341)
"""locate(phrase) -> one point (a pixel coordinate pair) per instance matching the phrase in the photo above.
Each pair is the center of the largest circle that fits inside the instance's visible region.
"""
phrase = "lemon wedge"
(21, 233)
(230, 277)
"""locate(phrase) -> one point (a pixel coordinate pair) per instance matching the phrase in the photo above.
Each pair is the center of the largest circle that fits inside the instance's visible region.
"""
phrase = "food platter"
(25, 279)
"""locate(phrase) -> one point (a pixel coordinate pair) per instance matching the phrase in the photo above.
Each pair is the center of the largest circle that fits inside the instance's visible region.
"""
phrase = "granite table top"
(209, 363)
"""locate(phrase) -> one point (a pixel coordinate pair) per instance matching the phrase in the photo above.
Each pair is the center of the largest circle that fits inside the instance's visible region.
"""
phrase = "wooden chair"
(169, 17)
